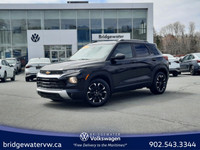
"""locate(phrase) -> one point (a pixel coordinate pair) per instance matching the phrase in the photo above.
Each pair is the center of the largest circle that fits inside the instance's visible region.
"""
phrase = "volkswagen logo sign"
(84, 136)
(35, 37)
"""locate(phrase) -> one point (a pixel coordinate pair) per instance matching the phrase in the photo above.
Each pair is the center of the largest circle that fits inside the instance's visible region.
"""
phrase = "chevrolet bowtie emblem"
(48, 72)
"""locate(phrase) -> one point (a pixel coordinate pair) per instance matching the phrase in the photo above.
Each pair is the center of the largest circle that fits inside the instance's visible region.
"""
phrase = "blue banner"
(14, 138)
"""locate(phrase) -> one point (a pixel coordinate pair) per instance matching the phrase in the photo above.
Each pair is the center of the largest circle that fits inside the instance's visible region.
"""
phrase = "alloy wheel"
(161, 83)
(97, 93)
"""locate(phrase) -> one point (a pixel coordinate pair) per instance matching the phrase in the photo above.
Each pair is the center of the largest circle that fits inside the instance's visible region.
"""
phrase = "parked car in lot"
(6, 71)
(33, 67)
(100, 69)
(174, 65)
(15, 63)
(191, 63)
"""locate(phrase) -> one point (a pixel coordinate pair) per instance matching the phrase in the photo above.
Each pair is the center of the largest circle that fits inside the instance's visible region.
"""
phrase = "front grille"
(54, 96)
(51, 72)
(52, 83)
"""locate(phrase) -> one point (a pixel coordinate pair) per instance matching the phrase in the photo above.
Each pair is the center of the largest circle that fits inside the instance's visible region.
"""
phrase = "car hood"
(73, 64)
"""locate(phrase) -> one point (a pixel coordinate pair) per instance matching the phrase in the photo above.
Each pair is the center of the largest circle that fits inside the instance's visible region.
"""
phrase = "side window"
(153, 48)
(6, 63)
(141, 50)
(191, 57)
(186, 58)
(125, 49)
(3, 62)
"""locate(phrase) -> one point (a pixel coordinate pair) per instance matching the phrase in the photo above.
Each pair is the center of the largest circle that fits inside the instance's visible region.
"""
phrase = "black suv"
(100, 69)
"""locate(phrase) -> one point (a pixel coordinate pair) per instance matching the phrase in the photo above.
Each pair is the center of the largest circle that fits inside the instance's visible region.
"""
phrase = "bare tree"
(191, 28)
(174, 40)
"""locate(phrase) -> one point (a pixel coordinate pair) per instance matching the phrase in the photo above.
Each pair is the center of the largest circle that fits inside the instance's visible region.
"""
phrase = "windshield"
(93, 51)
(39, 60)
(11, 61)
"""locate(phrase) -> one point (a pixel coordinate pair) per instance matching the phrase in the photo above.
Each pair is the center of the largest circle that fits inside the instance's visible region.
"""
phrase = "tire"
(159, 83)
(27, 79)
(97, 93)
(4, 77)
(17, 70)
(192, 71)
(175, 74)
(13, 78)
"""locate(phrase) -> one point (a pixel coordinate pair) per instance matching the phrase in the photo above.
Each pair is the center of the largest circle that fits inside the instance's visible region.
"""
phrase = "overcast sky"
(165, 11)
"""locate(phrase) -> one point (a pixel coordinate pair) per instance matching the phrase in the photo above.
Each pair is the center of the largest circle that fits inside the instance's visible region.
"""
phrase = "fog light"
(73, 80)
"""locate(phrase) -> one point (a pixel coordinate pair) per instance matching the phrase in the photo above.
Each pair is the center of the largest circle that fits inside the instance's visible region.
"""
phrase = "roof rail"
(134, 40)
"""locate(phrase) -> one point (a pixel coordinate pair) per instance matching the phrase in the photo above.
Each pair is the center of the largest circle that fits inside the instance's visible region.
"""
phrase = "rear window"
(141, 50)
(11, 61)
(154, 50)
(39, 60)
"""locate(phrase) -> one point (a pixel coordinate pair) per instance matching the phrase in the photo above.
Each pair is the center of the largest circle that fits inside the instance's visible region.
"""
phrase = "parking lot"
(139, 111)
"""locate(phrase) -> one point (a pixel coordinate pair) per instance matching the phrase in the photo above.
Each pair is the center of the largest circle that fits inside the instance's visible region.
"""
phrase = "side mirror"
(11, 66)
(181, 59)
(118, 56)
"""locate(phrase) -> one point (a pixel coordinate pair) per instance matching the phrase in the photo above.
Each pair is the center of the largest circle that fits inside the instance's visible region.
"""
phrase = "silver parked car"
(6, 71)
(15, 63)
(33, 67)
(174, 65)
(191, 63)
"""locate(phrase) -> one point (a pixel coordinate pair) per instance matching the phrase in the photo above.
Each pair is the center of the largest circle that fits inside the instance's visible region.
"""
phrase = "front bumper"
(53, 93)
(31, 75)
(57, 87)
(172, 70)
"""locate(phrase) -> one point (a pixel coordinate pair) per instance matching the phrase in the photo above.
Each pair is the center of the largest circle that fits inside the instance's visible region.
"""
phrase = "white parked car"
(6, 71)
(174, 65)
(33, 67)
(16, 63)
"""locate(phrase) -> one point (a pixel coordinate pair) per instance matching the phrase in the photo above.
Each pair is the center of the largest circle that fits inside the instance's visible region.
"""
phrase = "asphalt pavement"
(132, 112)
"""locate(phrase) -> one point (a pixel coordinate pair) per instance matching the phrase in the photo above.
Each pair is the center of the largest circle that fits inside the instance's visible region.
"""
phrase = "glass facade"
(57, 53)
(15, 23)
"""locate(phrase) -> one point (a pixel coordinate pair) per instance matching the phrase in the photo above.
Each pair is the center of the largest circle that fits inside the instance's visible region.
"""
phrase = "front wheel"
(175, 74)
(97, 93)
(159, 83)
(4, 77)
(27, 79)
(13, 78)
(192, 71)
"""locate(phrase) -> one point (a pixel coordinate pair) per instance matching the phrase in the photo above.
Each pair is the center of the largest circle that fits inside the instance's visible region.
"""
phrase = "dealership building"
(57, 31)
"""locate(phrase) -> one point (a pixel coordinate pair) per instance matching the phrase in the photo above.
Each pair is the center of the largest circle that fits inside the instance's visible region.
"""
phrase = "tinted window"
(141, 50)
(153, 49)
(186, 58)
(190, 57)
(124, 49)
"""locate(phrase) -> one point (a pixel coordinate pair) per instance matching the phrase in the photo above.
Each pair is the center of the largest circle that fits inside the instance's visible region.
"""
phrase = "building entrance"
(57, 53)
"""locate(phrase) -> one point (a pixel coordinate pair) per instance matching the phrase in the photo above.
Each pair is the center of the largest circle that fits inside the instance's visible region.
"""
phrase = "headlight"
(73, 80)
